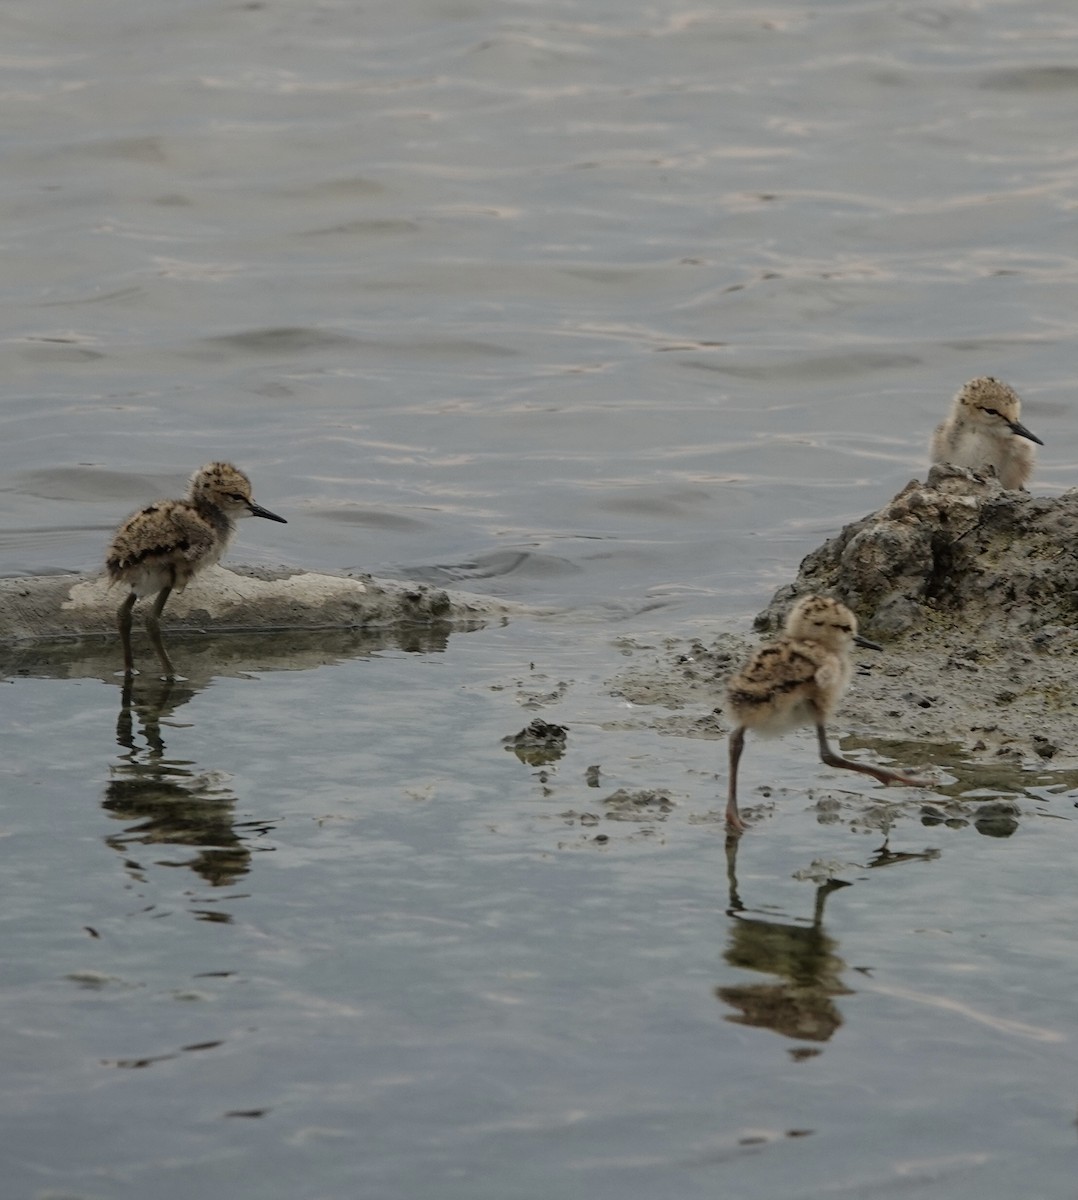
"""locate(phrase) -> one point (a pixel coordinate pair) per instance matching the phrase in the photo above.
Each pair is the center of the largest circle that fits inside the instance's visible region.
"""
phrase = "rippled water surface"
(612, 309)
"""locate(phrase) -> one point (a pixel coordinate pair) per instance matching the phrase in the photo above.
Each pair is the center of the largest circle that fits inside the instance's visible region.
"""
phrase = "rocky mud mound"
(956, 557)
(974, 592)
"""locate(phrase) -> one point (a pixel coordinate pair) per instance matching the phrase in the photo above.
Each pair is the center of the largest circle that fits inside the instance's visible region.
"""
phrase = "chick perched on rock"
(159, 548)
(798, 680)
(984, 431)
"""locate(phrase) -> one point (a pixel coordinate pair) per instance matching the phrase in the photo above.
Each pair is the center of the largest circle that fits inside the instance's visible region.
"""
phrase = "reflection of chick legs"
(161, 800)
(798, 680)
(802, 959)
(156, 698)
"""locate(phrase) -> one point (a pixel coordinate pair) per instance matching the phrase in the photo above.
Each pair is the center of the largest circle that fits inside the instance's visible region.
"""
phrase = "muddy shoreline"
(973, 591)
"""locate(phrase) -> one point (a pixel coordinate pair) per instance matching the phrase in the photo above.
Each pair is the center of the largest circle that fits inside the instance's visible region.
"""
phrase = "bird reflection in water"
(803, 956)
(165, 801)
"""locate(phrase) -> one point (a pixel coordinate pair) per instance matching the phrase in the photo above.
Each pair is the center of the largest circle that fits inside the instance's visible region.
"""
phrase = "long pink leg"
(881, 773)
(153, 626)
(123, 621)
(737, 744)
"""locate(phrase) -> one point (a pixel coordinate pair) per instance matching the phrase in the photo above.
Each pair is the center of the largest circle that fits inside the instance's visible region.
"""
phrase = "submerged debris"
(645, 805)
(539, 743)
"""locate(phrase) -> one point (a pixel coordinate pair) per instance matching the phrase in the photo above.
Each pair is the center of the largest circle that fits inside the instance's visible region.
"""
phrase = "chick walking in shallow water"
(161, 547)
(798, 680)
(984, 431)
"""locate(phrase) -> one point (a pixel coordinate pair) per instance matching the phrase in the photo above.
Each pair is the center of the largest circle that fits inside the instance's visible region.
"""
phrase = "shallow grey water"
(617, 308)
(397, 960)
(655, 296)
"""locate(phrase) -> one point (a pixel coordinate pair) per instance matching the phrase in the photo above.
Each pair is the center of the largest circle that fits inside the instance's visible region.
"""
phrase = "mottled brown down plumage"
(159, 548)
(983, 432)
(798, 679)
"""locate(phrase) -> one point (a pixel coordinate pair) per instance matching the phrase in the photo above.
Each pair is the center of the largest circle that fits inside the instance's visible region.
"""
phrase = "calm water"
(611, 307)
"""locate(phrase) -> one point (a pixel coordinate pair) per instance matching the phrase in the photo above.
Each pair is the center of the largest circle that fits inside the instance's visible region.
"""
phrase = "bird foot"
(900, 780)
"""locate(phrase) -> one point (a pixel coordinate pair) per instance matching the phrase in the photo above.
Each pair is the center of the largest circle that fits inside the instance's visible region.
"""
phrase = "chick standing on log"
(161, 547)
(984, 431)
(798, 680)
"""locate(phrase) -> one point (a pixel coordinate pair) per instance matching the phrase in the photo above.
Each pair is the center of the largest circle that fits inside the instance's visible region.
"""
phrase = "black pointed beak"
(1019, 430)
(863, 641)
(257, 510)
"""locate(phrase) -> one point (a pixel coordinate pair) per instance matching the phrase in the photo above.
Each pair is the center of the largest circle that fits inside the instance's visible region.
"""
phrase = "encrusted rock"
(957, 556)
(229, 600)
(974, 592)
